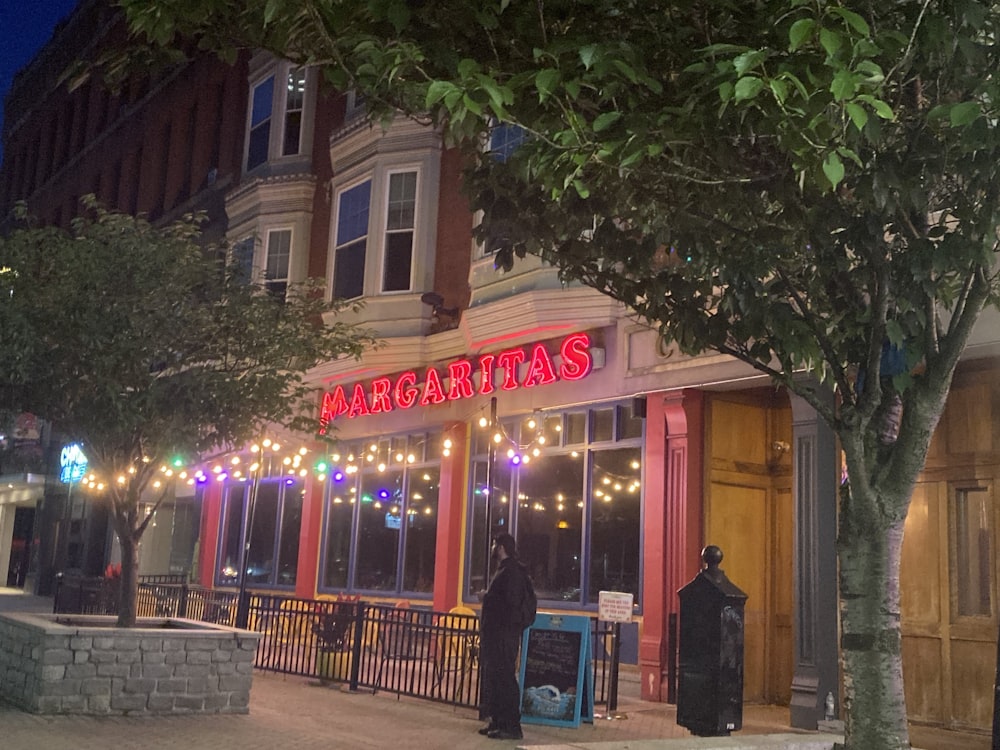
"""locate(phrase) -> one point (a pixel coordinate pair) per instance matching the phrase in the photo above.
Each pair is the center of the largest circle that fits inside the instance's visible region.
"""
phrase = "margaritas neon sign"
(406, 390)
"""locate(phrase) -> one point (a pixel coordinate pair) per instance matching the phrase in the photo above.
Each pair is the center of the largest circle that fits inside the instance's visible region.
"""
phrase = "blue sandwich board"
(556, 674)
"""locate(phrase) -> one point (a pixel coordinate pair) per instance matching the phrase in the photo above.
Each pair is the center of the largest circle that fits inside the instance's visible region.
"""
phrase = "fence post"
(615, 660)
(55, 598)
(356, 645)
(243, 609)
(182, 603)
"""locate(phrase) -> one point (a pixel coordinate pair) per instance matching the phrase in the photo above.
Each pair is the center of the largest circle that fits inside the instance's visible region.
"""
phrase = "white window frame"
(264, 68)
(385, 231)
(335, 240)
(421, 250)
(265, 281)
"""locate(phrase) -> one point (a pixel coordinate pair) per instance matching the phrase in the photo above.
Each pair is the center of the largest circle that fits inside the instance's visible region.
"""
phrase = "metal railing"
(366, 646)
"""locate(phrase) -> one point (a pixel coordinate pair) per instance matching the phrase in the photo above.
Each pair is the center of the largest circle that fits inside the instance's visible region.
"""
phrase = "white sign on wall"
(614, 606)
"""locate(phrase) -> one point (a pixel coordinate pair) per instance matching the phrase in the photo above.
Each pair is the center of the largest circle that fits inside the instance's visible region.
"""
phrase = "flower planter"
(83, 664)
(334, 665)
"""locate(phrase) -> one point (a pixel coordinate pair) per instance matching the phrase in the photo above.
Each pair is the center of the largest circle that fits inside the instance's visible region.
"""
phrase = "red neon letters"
(404, 391)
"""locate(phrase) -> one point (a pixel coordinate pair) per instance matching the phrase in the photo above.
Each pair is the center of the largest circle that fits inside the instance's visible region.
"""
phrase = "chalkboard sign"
(556, 678)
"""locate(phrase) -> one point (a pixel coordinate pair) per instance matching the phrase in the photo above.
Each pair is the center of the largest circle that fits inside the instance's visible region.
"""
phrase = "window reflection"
(381, 517)
(576, 481)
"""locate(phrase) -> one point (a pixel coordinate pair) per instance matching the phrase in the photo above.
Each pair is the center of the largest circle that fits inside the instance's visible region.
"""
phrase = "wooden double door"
(748, 514)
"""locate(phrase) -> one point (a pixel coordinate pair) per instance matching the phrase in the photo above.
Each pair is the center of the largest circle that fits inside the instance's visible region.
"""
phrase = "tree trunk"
(128, 597)
(871, 639)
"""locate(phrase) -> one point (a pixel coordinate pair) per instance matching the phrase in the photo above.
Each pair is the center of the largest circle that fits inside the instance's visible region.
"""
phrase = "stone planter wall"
(79, 664)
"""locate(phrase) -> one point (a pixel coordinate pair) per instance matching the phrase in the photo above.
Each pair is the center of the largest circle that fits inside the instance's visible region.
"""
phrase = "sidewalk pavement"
(294, 713)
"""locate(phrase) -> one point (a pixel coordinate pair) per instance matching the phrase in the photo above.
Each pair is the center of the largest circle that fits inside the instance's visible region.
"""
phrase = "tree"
(143, 345)
(810, 187)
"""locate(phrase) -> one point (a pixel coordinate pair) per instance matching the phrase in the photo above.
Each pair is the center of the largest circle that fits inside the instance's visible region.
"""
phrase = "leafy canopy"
(794, 183)
(143, 344)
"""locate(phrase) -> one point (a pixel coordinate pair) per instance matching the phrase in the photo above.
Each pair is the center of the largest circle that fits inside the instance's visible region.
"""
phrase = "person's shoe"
(505, 734)
(485, 731)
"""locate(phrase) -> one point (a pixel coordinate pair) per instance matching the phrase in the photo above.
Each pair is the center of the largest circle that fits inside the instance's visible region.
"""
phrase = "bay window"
(278, 118)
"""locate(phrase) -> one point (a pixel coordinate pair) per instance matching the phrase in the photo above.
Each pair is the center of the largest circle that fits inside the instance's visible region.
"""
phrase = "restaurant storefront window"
(274, 532)
(568, 485)
(381, 515)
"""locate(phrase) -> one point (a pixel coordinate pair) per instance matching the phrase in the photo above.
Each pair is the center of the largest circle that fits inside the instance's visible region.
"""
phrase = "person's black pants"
(501, 696)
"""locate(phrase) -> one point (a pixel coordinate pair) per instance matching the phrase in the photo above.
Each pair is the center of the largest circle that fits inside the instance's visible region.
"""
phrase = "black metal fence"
(366, 646)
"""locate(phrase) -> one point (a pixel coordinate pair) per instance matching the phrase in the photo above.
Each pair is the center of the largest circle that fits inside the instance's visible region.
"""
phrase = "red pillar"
(310, 538)
(674, 460)
(211, 521)
(450, 531)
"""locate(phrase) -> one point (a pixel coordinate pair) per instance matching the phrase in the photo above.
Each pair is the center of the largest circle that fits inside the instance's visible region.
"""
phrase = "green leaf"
(748, 61)
(844, 85)
(833, 168)
(747, 88)
(436, 92)
(545, 82)
(271, 10)
(780, 90)
(882, 109)
(606, 120)
(853, 20)
(800, 31)
(831, 40)
(857, 114)
(587, 54)
(964, 113)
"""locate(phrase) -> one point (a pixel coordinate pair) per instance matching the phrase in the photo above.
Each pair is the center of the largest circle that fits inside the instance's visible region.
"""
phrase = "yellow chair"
(457, 648)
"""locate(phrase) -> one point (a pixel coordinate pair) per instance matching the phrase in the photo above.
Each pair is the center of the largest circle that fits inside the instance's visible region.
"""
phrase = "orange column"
(450, 531)
(211, 521)
(672, 530)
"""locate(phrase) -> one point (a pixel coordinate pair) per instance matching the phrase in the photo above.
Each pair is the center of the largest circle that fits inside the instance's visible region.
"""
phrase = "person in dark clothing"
(500, 638)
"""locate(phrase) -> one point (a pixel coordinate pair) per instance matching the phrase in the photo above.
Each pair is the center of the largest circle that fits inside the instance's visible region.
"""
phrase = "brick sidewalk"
(292, 713)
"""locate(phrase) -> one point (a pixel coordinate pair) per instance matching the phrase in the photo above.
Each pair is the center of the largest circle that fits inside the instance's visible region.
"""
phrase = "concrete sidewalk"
(294, 713)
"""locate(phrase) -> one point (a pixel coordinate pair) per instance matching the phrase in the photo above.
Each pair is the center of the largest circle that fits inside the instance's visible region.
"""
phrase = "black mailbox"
(710, 674)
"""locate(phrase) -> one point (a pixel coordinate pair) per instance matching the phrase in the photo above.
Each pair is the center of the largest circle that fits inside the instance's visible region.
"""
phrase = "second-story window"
(262, 102)
(278, 120)
(351, 241)
(279, 245)
(295, 99)
(400, 216)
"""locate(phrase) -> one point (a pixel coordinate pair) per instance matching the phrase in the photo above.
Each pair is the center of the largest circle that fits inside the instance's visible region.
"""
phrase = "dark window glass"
(349, 271)
(615, 484)
(400, 213)
(379, 526)
(231, 548)
(421, 530)
(260, 122)
(504, 140)
(294, 103)
(340, 518)
(630, 424)
(604, 425)
(291, 525)
(500, 510)
(351, 242)
(264, 520)
(398, 261)
(381, 495)
(550, 524)
(243, 259)
(576, 428)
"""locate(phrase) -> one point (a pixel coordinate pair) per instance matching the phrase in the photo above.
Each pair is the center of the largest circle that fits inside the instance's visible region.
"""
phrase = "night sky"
(25, 26)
